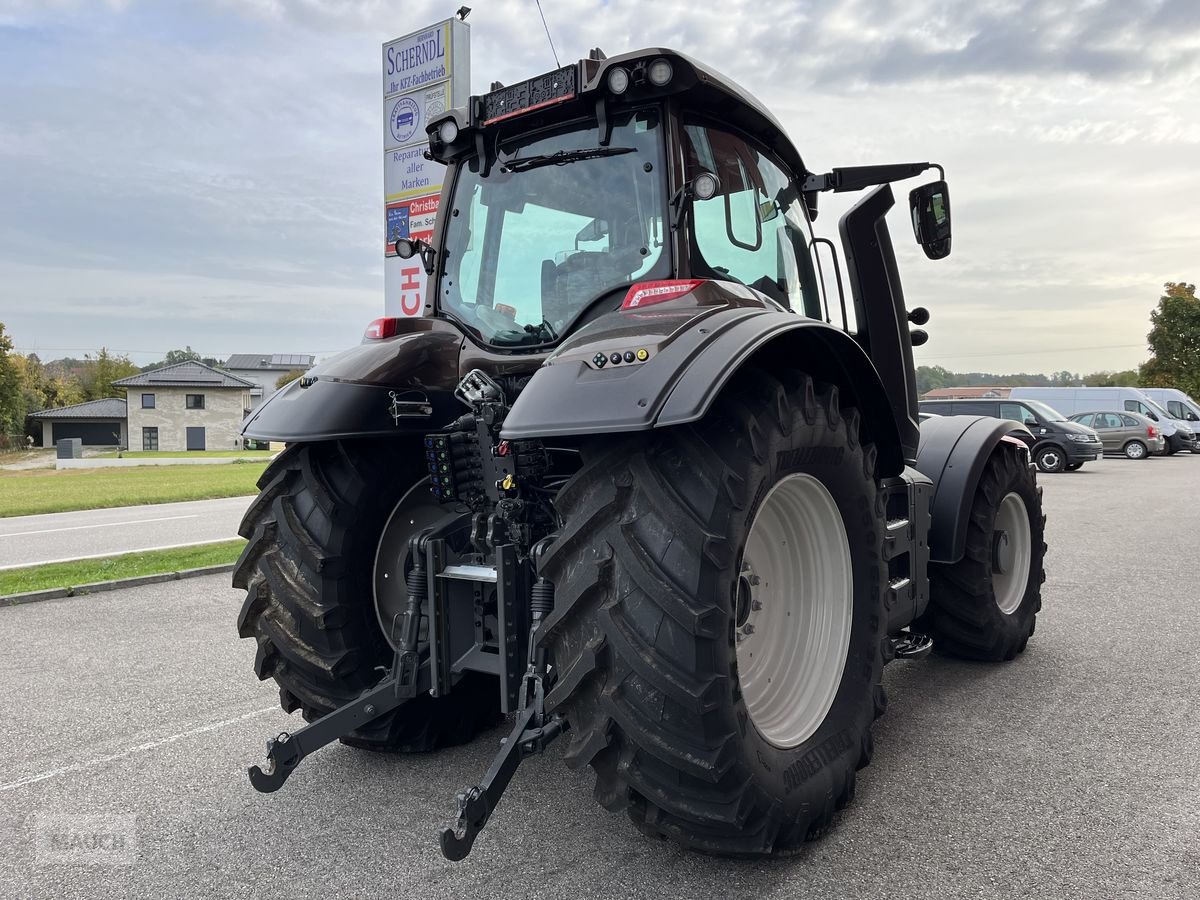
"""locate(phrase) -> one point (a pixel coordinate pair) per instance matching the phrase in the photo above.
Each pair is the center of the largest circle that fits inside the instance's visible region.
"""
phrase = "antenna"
(547, 27)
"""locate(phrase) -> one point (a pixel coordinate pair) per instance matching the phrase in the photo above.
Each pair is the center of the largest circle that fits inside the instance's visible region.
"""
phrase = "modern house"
(98, 423)
(264, 369)
(186, 406)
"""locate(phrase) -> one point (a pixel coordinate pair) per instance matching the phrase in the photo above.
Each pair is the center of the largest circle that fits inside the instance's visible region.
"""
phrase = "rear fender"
(952, 454)
(350, 395)
(693, 352)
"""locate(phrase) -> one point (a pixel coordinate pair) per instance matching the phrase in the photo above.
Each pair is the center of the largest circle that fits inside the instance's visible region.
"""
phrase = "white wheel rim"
(1011, 553)
(1050, 459)
(795, 605)
(1135, 450)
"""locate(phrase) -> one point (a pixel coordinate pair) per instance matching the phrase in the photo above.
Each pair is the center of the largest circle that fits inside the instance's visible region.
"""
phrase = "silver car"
(1129, 433)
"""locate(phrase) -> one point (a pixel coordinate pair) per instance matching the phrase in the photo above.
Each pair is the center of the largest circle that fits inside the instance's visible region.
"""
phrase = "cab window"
(753, 230)
(1138, 406)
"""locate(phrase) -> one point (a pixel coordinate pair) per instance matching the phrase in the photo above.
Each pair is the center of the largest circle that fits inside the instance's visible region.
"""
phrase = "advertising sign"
(424, 74)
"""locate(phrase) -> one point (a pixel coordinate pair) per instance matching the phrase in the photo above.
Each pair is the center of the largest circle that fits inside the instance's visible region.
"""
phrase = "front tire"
(307, 570)
(649, 635)
(1050, 458)
(985, 606)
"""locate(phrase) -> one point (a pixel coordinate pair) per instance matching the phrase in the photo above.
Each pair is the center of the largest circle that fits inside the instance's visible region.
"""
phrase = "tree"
(101, 371)
(12, 404)
(287, 377)
(1174, 340)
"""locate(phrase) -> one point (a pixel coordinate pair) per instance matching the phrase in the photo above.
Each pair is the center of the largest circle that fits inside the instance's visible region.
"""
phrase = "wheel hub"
(793, 610)
(1002, 552)
(415, 512)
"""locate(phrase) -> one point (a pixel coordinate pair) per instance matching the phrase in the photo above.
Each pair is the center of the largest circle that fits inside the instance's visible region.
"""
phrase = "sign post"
(424, 74)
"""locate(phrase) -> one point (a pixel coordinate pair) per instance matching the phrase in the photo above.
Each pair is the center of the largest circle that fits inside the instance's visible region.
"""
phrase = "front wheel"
(985, 605)
(718, 620)
(1050, 459)
(1136, 450)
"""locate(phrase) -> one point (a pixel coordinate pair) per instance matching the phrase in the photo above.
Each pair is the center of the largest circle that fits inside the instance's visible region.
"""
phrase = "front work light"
(448, 131)
(618, 80)
(660, 72)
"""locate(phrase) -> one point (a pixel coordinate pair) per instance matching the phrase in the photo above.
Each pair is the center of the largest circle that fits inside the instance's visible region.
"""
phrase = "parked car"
(1055, 444)
(1132, 434)
(1072, 400)
(1179, 406)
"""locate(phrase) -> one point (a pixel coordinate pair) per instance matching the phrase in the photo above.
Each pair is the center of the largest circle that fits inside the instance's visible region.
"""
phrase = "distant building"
(98, 423)
(186, 406)
(992, 392)
(264, 369)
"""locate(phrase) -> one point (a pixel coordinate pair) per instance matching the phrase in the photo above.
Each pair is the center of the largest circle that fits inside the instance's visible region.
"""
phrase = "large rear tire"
(985, 606)
(665, 557)
(307, 571)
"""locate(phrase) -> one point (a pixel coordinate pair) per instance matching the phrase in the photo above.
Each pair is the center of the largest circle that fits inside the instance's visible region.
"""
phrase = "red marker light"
(647, 293)
(381, 328)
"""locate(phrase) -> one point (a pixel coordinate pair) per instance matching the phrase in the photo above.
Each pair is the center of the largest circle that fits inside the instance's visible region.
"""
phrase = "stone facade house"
(186, 406)
(264, 369)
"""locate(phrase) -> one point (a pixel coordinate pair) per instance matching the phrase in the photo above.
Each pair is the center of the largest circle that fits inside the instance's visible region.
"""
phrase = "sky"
(210, 172)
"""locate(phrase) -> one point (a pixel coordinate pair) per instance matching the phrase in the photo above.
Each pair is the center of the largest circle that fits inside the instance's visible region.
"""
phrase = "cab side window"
(753, 230)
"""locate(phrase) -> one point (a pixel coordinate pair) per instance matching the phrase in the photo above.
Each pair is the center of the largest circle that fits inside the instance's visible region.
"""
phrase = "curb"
(101, 586)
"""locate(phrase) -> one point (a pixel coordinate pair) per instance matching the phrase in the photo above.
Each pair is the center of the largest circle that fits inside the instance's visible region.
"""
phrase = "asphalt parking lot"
(1071, 772)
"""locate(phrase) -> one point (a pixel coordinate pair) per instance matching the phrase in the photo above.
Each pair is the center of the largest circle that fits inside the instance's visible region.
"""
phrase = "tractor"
(647, 476)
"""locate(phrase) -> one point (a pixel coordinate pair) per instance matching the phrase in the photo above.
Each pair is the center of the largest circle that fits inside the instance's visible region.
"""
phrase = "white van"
(1176, 402)
(1072, 400)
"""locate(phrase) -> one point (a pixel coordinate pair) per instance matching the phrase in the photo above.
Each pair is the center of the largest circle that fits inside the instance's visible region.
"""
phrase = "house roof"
(92, 409)
(185, 374)
(278, 362)
(989, 392)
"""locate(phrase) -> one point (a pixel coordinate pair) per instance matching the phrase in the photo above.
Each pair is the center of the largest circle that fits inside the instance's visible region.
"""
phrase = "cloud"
(216, 168)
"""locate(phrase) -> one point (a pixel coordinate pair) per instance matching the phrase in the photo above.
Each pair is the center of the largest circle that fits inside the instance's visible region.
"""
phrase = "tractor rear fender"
(351, 394)
(952, 453)
(693, 355)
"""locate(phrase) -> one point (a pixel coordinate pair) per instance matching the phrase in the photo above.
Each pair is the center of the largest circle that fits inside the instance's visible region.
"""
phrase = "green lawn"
(127, 565)
(25, 493)
(179, 454)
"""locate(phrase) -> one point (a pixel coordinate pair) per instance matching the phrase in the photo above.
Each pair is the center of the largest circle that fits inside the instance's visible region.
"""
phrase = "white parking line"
(141, 748)
(98, 525)
(48, 562)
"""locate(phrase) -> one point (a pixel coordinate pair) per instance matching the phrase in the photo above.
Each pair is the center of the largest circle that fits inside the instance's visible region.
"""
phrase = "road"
(91, 533)
(1073, 772)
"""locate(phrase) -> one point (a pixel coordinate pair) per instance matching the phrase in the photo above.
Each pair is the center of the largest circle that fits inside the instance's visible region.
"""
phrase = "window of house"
(149, 438)
(195, 401)
(147, 401)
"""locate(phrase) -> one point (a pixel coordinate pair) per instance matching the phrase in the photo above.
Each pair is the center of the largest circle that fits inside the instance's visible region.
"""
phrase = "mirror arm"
(856, 178)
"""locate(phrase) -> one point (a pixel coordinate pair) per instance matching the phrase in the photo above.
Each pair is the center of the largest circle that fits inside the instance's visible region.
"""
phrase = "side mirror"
(930, 204)
(1192, 417)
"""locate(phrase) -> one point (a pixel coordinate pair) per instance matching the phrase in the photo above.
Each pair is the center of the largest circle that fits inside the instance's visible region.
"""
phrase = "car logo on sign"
(404, 119)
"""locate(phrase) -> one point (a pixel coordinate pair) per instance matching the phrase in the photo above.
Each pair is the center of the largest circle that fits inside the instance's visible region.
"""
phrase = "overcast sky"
(210, 173)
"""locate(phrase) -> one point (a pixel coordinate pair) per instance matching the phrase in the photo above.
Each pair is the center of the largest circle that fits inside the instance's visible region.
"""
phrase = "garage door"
(95, 434)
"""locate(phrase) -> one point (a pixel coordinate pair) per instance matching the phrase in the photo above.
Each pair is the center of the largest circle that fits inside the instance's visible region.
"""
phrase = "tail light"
(1151, 431)
(380, 329)
(647, 293)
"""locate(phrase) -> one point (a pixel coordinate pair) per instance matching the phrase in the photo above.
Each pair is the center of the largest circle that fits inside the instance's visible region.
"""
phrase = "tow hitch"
(432, 585)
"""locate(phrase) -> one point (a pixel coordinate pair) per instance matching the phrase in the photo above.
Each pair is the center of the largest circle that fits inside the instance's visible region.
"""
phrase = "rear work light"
(380, 329)
(647, 293)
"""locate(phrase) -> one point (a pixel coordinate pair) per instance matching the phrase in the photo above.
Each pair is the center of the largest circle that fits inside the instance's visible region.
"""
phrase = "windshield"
(558, 222)
(1158, 409)
(1044, 412)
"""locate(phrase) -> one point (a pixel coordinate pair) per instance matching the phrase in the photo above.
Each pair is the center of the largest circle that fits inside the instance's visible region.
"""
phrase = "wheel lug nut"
(754, 579)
